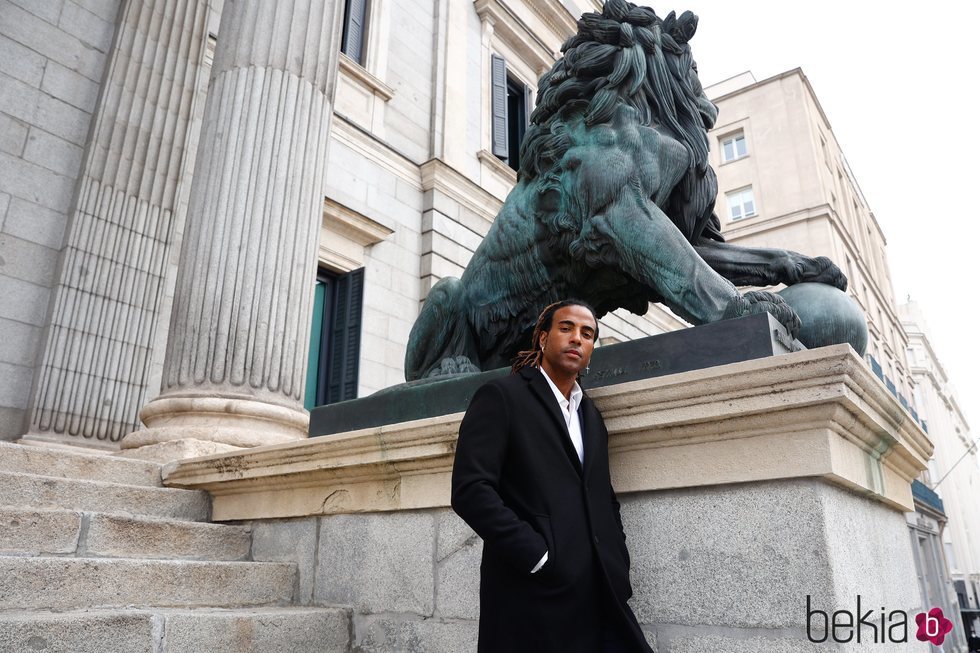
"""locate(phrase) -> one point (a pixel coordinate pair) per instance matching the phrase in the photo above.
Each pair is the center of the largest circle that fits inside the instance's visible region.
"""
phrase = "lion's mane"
(627, 55)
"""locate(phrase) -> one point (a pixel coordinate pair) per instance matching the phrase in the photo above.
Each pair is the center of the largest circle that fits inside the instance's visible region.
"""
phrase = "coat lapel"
(542, 390)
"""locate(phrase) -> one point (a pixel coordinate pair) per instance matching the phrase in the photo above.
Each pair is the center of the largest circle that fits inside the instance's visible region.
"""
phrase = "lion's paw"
(454, 365)
(822, 270)
(760, 301)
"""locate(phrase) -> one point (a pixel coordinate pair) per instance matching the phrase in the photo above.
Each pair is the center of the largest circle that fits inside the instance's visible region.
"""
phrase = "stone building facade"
(103, 109)
(784, 182)
(954, 470)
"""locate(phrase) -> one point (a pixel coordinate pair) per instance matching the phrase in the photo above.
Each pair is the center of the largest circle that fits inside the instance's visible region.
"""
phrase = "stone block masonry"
(53, 55)
(745, 489)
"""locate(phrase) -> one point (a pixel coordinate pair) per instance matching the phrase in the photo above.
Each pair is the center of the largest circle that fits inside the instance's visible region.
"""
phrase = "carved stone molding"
(819, 414)
(350, 68)
(438, 176)
(527, 42)
(345, 234)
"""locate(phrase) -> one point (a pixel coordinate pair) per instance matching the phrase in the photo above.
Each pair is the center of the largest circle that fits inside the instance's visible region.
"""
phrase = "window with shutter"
(517, 98)
(335, 340)
(498, 81)
(510, 98)
(352, 40)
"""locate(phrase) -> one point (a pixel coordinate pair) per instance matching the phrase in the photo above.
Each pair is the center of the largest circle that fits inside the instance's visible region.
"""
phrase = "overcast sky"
(899, 84)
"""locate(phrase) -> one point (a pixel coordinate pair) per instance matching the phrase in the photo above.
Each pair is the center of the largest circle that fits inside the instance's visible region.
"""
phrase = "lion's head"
(629, 55)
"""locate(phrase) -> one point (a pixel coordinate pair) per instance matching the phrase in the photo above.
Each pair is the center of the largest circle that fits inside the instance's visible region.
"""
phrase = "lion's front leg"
(757, 266)
(633, 234)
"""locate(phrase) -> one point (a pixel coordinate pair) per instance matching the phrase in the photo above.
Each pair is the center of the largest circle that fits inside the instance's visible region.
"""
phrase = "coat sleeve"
(480, 454)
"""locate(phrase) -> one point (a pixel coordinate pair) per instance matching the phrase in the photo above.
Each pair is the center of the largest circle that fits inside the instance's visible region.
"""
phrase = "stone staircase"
(96, 556)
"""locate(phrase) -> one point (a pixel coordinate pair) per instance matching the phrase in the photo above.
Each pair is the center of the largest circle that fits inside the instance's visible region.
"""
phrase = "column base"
(86, 446)
(176, 450)
(198, 421)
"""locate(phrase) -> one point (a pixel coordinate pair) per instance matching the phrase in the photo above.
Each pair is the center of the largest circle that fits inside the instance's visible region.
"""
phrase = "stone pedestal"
(236, 357)
(745, 489)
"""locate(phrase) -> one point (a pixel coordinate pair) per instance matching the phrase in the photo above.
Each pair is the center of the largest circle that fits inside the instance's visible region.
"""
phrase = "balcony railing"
(876, 368)
(891, 387)
(922, 493)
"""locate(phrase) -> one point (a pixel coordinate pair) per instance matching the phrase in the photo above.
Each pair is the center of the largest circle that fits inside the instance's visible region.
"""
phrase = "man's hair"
(533, 355)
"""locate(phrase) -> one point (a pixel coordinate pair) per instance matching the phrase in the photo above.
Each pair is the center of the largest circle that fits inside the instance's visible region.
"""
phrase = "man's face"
(568, 344)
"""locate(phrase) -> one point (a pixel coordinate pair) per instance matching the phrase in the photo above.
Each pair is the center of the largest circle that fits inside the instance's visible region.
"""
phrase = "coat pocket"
(542, 524)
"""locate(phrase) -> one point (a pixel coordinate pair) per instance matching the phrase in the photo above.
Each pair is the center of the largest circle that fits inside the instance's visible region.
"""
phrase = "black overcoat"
(518, 483)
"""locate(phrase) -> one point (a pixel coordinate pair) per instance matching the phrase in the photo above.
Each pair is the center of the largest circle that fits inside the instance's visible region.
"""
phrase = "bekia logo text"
(845, 626)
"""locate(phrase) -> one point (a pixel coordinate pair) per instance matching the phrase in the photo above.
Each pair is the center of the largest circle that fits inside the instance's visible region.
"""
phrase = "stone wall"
(745, 488)
(52, 60)
(722, 568)
(411, 577)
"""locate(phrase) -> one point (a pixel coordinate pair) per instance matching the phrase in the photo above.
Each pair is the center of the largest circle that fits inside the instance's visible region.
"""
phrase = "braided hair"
(534, 355)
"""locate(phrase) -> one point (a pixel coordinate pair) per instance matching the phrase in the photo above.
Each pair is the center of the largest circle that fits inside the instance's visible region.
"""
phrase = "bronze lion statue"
(614, 204)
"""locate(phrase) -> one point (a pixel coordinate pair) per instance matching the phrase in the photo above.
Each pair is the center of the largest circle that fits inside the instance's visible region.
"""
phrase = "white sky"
(899, 82)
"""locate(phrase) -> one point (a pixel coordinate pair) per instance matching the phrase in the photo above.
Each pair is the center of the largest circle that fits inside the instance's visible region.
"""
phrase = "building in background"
(783, 181)
(954, 470)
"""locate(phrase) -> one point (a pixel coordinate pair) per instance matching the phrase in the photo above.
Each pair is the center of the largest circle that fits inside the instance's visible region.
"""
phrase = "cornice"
(516, 33)
(554, 14)
(353, 70)
(358, 227)
(816, 414)
(507, 173)
(438, 175)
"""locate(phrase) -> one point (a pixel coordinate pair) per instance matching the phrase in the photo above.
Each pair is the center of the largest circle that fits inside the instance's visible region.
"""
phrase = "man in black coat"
(531, 477)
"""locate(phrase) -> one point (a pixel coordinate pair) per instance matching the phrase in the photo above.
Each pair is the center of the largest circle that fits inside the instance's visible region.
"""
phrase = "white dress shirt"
(569, 410)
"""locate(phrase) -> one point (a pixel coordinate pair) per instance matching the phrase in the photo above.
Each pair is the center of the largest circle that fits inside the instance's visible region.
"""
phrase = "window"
(823, 149)
(352, 40)
(741, 204)
(335, 338)
(950, 558)
(510, 115)
(733, 147)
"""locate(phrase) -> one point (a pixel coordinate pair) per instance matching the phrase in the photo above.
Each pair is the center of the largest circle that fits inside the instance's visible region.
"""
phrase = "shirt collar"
(574, 397)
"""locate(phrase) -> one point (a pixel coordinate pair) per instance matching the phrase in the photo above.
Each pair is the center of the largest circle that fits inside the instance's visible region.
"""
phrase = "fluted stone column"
(236, 357)
(127, 212)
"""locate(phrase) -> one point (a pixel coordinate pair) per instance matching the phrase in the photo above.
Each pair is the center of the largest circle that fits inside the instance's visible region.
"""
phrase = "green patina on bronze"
(614, 205)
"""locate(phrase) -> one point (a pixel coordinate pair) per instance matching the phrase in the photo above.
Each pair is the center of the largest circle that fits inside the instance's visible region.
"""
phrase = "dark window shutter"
(352, 43)
(528, 106)
(345, 334)
(498, 83)
(320, 294)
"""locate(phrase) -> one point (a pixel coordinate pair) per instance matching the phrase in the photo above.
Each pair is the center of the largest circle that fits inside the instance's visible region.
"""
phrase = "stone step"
(29, 490)
(297, 630)
(32, 459)
(26, 531)
(54, 583)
